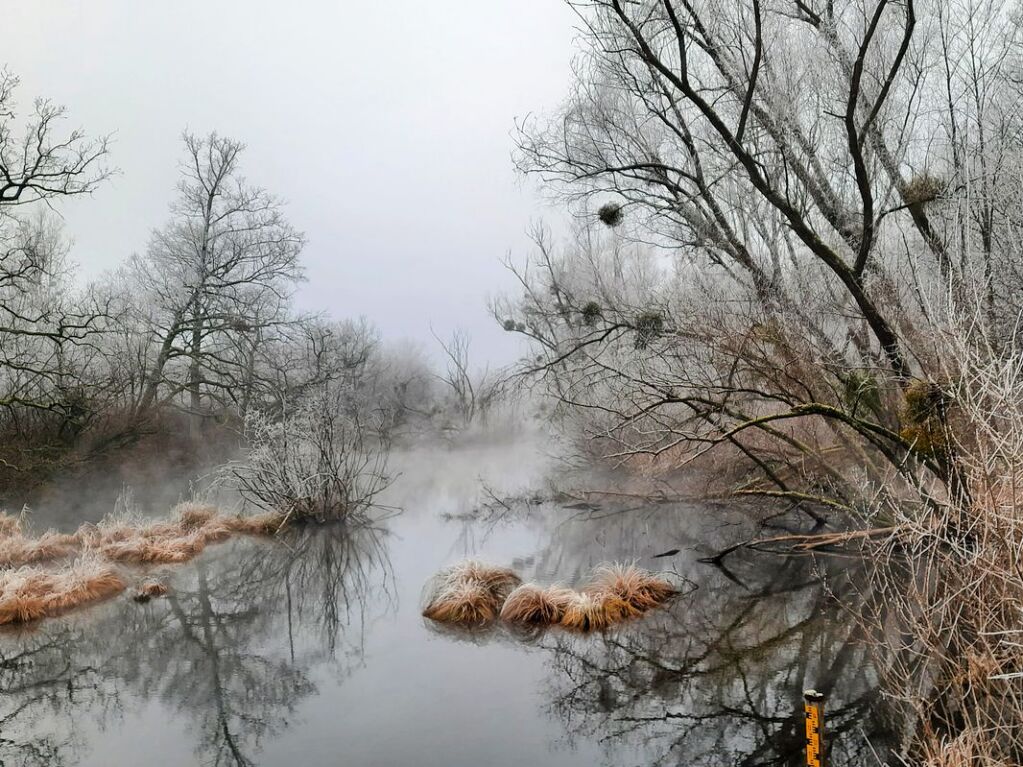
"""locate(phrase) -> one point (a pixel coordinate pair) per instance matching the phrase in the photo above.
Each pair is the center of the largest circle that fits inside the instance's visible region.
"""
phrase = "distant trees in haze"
(199, 327)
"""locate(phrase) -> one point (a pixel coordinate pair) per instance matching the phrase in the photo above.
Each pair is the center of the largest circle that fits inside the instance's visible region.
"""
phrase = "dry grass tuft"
(139, 542)
(193, 527)
(30, 593)
(474, 593)
(499, 580)
(258, 524)
(470, 593)
(134, 540)
(18, 549)
(192, 515)
(467, 603)
(9, 524)
(154, 548)
(638, 589)
(216, 530)
(588, 611)
(535, 605)
(149, 589)
(617, 593)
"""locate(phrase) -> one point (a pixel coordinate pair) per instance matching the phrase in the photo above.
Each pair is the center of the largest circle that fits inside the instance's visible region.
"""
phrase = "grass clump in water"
(149, 589)
(31, 593)
(267, 523)
(132, 540)
(470, 593)
(588, 611)
(19, 549)
(616, 593)
(473, 594)
(534, 605)
(638, 589)
(135, 541)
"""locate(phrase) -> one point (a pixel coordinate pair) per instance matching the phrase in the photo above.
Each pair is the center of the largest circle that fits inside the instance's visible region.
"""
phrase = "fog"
(385, 126)
(756, 413)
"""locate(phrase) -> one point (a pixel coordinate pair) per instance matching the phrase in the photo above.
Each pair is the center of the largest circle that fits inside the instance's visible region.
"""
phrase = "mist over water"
(314, 645)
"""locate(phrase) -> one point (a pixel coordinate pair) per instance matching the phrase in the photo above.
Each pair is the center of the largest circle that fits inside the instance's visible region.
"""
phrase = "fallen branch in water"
(803, 542)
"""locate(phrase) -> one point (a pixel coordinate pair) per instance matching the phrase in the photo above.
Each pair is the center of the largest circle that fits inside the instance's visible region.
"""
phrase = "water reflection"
(718, 677)
(314, 646)
(229, 648)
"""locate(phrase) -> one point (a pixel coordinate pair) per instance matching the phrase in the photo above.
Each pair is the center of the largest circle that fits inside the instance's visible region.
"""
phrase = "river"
(311, 650)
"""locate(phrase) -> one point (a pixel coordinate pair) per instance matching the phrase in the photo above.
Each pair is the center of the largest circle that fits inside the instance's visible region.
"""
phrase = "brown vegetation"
(257, 524)
(474, 593)
(9, 524)
(147, 547)
(149, 589)
(134, 541)
(464, 602)
(592, 612)
(192, 514)
(638, 589)
(30, 593)
(470, 593)
(18, 549)
(535, 605)
(617, 593)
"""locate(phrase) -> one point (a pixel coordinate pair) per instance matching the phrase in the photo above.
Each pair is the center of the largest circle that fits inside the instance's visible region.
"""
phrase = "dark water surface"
(312, 651)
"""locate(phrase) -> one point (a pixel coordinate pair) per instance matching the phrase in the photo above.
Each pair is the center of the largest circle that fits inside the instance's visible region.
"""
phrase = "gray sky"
(385, 125)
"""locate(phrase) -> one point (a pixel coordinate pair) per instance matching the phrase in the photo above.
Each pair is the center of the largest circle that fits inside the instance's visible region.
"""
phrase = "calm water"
(312, 651)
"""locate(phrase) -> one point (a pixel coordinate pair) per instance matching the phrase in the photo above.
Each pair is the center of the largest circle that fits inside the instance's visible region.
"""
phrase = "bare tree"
(473, 392)
(799, 243)
(47, 330)
(222, 268)
(38, 163)
(771, 163)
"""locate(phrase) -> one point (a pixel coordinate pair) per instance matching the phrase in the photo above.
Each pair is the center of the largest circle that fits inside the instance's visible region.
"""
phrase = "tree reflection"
(40, 676)
(717, 678)
(230, 648)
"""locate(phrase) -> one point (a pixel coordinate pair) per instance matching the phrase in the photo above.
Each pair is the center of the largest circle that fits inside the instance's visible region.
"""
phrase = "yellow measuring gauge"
(813, 706)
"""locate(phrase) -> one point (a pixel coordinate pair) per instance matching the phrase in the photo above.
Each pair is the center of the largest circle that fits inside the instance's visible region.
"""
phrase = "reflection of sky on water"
(313, 648)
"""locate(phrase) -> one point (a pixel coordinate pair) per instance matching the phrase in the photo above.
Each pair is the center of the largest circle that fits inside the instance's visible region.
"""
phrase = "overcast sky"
(385, 125)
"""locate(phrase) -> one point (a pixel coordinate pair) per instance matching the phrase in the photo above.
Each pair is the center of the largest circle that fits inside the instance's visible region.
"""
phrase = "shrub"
(317, 464)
